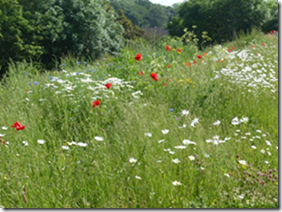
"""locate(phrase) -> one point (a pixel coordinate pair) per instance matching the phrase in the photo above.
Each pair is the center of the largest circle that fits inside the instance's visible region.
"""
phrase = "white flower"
(244, 119)
(254, 147)
(72, 143)
(148, 134)
(4, 128)
(191, 157)
(176, 183)
(235, 121)
(185, 112)
(266, 162)
(171, 152)
(176, 161)
(183, 126)
(41, 141)
(2, 135)
(227, 175)
(268, 143)
(132, 160)
(209, 140)
(65, 147)
(194, 121)
(99, 138)
(160, 141)
(137, 177)
(159, 161)
(207, 155)
(166, 150)
(258, 131)
(27, 99)
(269, 153)
(242, 162)
(165, 131)
(187, 142)
(82, 144)
(216, 123)
(180, 147)
(25, 143)
(202, 168)
(216, 137)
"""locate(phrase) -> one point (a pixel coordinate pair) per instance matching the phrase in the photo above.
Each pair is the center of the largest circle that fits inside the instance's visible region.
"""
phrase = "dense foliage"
(224, 19)
(57, 28)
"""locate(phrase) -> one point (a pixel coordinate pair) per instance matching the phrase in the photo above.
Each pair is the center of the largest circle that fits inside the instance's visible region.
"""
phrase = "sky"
(166, 2)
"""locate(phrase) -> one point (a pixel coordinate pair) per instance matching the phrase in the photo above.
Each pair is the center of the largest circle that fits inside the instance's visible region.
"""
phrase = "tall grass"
(104, 174)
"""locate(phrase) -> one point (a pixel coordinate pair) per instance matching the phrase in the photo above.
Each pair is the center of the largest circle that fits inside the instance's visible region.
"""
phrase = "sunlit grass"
(122, 157)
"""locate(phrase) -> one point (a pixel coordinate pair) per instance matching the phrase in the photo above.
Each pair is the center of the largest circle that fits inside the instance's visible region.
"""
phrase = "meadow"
(167, 126)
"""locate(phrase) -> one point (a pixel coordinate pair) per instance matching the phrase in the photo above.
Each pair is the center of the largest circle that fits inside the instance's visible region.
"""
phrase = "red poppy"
(194, 62)
(229, 50)
(164, 84)
(271, 32)
(3, 142)
(167, 47)
(205, 54)
(253, 47)
(18, 126)
(274, 31)
(108, 85)
(233, 47)
(154, 76)
(138, 57)
(169, 66)
(179, 50)
(140, 73)
(187, 64)
(199, 56)
(263, 44)
(96, 103)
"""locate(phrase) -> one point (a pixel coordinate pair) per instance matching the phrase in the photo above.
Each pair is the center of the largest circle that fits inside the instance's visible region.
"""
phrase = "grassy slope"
(100, 174)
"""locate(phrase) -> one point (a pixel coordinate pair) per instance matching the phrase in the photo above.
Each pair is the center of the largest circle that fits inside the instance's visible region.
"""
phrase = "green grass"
(100, 175)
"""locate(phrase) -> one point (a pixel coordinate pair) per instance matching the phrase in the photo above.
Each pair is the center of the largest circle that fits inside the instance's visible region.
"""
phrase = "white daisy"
(176, 183)
(2, 135)
(4, 128)
(216, 123)
(244, 119)
(165, 131)
(99, 138)
(268, 143)
(41, 141)
(187, 142)
(254, 147)
(148, 134)
(132, 160)
(25, 143)
(185, 112)
(191, 157)
(65, 147)
(242, 162)
(180, 147)
(82, 144)
(227, 175)
(176, 161)
(235, 121)
(160, 141)
(137, 177)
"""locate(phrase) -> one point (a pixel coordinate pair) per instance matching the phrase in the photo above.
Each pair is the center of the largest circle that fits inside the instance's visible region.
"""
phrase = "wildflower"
(262, 151)
(228, 50)
(132, 160)
(266, 162)
(194, 62)
(154, 76)
(176, 183)
(140, 73)
(108, 85)
(96, 103)
(25, 143)
(99, 138)
(253, 47)
(207, 155)
(180, 147)
(171, 152)
(263, 44)
(40, 141)
(179, 51)
(194, 121)
(164, 84)
(227, 175)
(242, 162)
(176, 161)
(233, 47)
(244, 119)
(82, 144)
(235, 121)
(209, 140)
(187, 64)
(199, 56)
(18, 126)
(168, 66)
(171, 109)
(167, 48)
(191, 157)
(216, 123)
(160, 141)
(185, 112)
(165, 131)
(138, 57)
(2, 135)
(187, 142)
(268, 143)
(205, 54)
(65, 147)
(253, 147)
(148, 134)
(137, 177)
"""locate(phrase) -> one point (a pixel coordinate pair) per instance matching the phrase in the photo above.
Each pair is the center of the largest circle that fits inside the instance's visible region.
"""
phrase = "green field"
(203, 135)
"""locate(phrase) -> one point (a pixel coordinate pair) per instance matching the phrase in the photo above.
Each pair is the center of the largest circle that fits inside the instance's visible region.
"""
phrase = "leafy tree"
(17, 40)
(157, 16)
